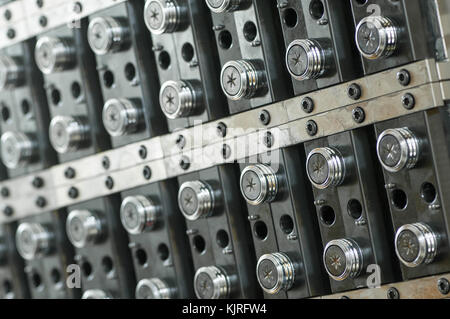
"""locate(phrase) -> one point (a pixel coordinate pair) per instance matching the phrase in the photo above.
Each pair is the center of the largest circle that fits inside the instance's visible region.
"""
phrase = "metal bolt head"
(4, 192)
(358, 115)
(69, 173)
(444, 286)
(8, 211)
(142, 152)
(221, 129)
(37, 182)
(307, 105)
(311, 128)
(268, 139)
(354, 91)
(403, 77)
(105, 162)
(393, 293)
(41, 202)
(73, 192)
(147, 172)
(264, 117)
(109, 182)
(408, 101)
(185, 163)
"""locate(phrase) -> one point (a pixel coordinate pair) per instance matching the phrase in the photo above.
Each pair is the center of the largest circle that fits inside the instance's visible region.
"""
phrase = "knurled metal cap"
(416, 244)
(242, 79)
(17, 149)
(259, 184)
(180, 98)
(121, 117)
(275, 272)
(108, 35)
(162, 16)
(138, 214)
(342, 259)
(54, 54)
(195, 199)
(33, 240)
(220, 6)
(398, 149)
(96, 294)
(153, 288)
(305, 59)
(325, 167)
(68, 134)
(83, 228)
(211, 283)
(11, 72)
(376, 37)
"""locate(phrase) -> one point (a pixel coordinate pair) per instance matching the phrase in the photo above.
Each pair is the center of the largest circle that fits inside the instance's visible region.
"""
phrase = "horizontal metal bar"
(205, 149)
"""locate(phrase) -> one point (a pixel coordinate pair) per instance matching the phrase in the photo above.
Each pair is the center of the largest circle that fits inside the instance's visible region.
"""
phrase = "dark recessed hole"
(25, 106)
(108, 79)
(222, 238)
(36, 280)
(286, 224)
(316, 9)
(354, 208)
(55, 96)
(225, 39)
(55, 275)
(7, 287)
(187, 52)
(141, 257)
(260, 230)
(250, 31)
(164, 60)
(290, 17)
(428, 192)
(75, 88)
(163, 252)
(86, 267)
(399, 199)
(199, 244)
(5, 112)
(130, 72)
(107, 264)
(327, 215)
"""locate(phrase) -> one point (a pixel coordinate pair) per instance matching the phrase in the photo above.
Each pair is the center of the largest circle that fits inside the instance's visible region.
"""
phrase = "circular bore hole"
(55, 96)
(25, 106)
(108, 79)
(36, 280)
(225, 39)
(361, 2)
(316, 9)
(187, 52)
(55, 275)
(5, 113)
(428, 192)
(7, 287)
(86, 268)
(250, 31)
(354, 208)
(327, 215)
(290, 17)
(260, 230)
(141, 256)
(130, 72)
(107, 264)
(199, 244)
(75, 89)
(222, 238)
(286, 224)
(399, 199)
(163, 252)
(164, 60)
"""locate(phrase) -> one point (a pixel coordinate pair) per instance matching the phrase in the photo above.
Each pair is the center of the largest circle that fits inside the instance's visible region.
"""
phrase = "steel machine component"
(349, 204)
(249, 50)
(101, 248)
(285, 232)
(414, 153)
(218, 234)
(183, 44)
(319, 43)
(158, 242)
